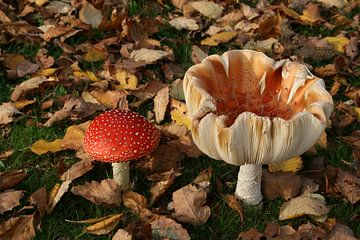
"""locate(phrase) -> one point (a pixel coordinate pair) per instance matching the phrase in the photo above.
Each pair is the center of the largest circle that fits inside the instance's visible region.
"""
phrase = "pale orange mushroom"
(249, 110)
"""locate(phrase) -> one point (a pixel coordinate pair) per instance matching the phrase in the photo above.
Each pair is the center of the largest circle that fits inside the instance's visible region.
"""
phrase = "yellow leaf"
(179, 113)
(41, 146)
(290, 165)
(357, 111)
(23, 103)
(218, 38)
(87, 74)
(46, 72)
(94, 55)
(126, 80)
(90, 220)
(56, 194)
(338, 43)
(104, 226)
(74, 136)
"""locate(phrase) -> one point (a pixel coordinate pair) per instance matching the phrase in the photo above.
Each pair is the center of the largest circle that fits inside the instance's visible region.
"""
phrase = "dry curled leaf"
(106, 192)
(285, 185)
(189, 205)
(134, 201)
(105, 226)
(208, 9)
(309, 204)
(10, 199)
(234, 204)
(18, 228)
(55, 195)
(39, 199)
(77, 170)
(161, 101)
(167, 228)
(218, 38)
(148, 55)
(349, 186)
(159, 187)
(8, 112)
(184, 23)
(41, 146)
(11, 178)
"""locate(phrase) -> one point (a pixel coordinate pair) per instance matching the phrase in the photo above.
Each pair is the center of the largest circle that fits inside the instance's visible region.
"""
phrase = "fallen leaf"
(110, 99)
(126, 79)
(75, 108)
(29, 85)
(11, 178)
(58, 7)
(86, 75)
(55, 195)
(203, 179)
(166, 228)
(309, 230)
(148, 55)
(104, 226)
(184, 23)
(179, 113)
(106, 192)
(77, 170)
(134, 201)
(176, 89)
(251, 234)
(94, 55)
(19, 66)
(74, 136)
(189, 205)
(121, 234)
(291, 165)
(311, 15)
(161, 101)
(23, 103)
(218, 38)
(197, 54)
(188, 147)
(341, 231)
(10, 199)
(90, 15)
(41, 146)
(5, 155)
(208, 9)
(90, 220)
(39, 199)
(160, 187)
(18, 228)
(173, 130)
(338, 43)
(311, 204)
(349, 186)
(285, 185)
(8, 112)
(334, 3)
(234, 204)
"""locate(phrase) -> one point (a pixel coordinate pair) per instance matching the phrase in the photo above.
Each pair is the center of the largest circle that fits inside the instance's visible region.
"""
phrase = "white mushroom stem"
(121, 174)
(248, 186)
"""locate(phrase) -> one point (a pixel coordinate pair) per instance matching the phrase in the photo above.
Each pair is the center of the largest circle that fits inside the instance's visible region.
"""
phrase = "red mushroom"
(118, 136)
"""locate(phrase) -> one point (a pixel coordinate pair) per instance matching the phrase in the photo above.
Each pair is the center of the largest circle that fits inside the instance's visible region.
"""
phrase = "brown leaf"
(121, 234)
(173, 130)
(55, 195)
(208, 9)
(271, 230)
(189, 205)
(187, 146)
(11, 178)
(184, 23)
(160, 187)
(74, 108)
(5, 155)
(197, 54)
(10, 199)
(311, 204)
(39, 199)
(29, 85)
(234, 204)
(309, 231)
(251, 234)
(77, 170)
(18, 65)
(135, 201)
(90, 15)
(341, 231)
(166, 228)
(74, 136)
(41, 146)
(218, 38)
(349, 186)
(18, 228)
(111, 99)
(106, 192)
(148, 55)
(8, 112)
(161, 101)
(203, 179)
(104, 226)
(285, 185)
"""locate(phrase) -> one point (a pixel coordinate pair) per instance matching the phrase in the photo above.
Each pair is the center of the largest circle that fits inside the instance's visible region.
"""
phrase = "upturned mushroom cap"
(248, 109)
(119, 136)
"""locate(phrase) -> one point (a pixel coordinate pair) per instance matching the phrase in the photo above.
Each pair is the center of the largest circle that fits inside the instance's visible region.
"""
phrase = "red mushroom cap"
(119, 136)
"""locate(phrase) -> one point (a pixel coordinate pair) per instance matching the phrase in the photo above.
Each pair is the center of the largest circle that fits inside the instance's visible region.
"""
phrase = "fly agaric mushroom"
(118, 136)
(249, 110)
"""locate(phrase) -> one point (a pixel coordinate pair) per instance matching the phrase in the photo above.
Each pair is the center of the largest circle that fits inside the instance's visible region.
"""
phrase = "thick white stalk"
(248, 187)
(121, 174)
